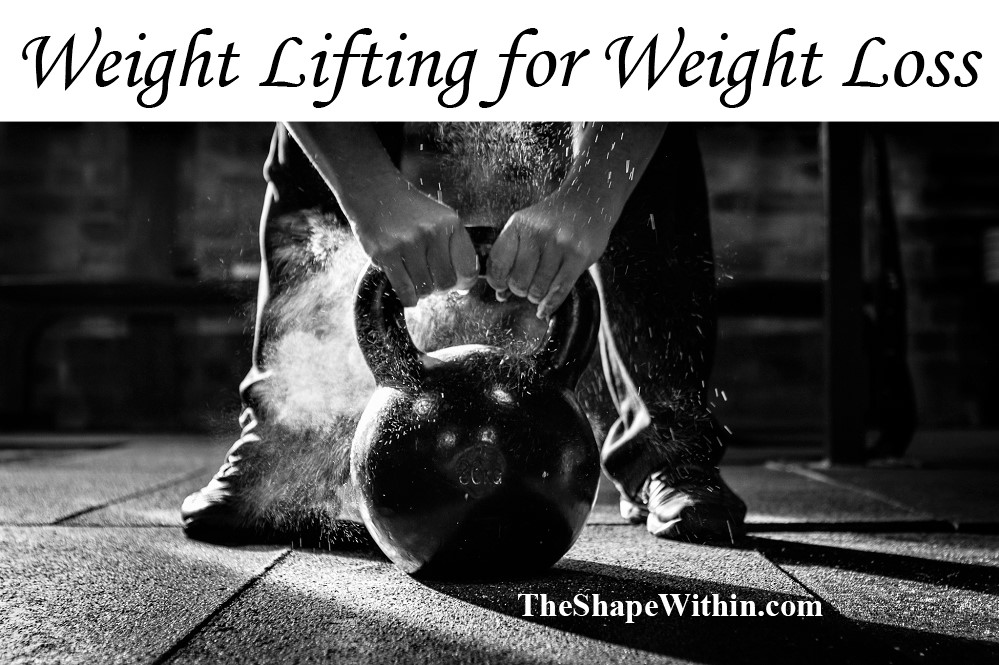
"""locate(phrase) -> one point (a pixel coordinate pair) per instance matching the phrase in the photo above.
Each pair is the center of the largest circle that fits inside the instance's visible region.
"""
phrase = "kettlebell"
(472, 462)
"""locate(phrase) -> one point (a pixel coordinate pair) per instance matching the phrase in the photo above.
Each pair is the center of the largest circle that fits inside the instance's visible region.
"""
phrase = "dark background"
(128, 265)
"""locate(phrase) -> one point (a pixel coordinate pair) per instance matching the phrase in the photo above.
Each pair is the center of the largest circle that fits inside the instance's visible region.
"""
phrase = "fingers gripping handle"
(388, 348)
(572, 332)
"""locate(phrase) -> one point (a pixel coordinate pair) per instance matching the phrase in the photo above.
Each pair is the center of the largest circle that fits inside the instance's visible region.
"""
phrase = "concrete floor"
(95, 569)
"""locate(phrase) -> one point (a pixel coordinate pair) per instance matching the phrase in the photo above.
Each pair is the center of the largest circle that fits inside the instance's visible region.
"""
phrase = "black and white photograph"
(704, 372)
(499, 392)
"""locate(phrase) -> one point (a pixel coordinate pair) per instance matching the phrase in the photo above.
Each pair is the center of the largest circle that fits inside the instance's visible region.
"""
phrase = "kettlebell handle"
(388, 348)
(380, 327)
(572, 335)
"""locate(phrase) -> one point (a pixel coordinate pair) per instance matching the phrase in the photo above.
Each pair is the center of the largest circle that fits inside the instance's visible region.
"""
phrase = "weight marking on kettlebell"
(479, 468)
(485, 387)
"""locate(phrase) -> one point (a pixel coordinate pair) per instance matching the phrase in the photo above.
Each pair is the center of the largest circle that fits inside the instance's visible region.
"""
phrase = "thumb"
(501, 258)
(463, 258)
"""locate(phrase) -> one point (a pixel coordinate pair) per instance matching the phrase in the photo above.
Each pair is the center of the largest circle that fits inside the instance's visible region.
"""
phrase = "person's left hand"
(544, 248)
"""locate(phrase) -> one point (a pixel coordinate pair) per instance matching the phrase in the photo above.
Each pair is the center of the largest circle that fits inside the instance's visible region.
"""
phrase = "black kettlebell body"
(471, 461)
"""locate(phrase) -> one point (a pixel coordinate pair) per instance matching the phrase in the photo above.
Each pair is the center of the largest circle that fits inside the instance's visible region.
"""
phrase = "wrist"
(597, 206)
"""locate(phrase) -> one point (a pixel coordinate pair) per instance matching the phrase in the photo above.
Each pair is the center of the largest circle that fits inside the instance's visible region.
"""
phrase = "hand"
(543, 249)
(420, 244)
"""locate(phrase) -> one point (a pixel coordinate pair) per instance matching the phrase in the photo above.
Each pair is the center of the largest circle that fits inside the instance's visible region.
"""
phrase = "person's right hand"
(420, 244)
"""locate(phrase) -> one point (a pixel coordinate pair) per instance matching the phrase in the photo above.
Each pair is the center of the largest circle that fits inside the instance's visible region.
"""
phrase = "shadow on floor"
(313, 629)
(952, 574)
(830, 638)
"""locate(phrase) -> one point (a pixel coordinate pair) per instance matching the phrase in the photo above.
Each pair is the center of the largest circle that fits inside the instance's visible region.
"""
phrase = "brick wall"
(63, 196)
(947, 191)
(66, 213)
(223, 191)
(765, 189)
(766, 200)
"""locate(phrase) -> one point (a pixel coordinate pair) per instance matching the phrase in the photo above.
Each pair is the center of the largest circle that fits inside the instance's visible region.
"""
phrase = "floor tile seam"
(175, 480)
(818, 476)
(47, 525)
(188, 637)
(854, 624)
(922, 526)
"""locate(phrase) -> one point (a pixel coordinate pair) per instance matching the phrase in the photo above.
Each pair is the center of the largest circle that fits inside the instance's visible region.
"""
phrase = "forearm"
(418, 242)
(352, 161)
(609, 158)
(544, 248)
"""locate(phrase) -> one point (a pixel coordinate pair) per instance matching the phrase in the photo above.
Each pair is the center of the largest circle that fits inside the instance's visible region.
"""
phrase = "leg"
(657, 279)
(282, 479)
